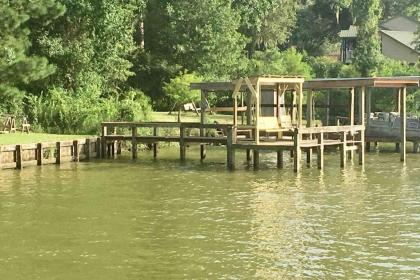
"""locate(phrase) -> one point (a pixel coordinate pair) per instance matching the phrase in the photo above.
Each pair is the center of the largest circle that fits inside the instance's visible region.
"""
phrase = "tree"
(18, 67)
(266, 23)
(93, 39)
(367, 51)
(178, 89)
(318, 25)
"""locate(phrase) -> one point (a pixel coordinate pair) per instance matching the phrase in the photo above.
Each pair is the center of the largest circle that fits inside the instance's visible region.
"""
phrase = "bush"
(60, 111)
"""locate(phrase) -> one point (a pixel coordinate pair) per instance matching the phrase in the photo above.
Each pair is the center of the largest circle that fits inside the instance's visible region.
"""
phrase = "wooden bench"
(272, 125)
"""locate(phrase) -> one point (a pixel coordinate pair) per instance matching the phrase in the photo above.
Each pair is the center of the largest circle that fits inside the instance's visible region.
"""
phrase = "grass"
(189, 117)
(24, 138)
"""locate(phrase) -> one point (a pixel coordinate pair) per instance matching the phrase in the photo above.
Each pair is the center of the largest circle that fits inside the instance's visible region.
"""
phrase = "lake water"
(119, 219)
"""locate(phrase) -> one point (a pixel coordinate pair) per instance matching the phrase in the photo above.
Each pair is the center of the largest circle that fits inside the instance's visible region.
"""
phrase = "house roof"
(404, 37)
(350, 33)
(401, 26)
(379, 82)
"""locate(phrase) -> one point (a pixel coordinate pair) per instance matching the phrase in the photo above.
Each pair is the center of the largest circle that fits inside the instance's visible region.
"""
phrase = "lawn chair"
(25, 125)
(9, 124)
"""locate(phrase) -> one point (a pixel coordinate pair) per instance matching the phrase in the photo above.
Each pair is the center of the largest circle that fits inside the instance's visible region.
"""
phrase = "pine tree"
(18, 66)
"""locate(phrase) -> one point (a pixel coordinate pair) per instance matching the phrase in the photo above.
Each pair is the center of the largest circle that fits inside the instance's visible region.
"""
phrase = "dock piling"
(280, 159)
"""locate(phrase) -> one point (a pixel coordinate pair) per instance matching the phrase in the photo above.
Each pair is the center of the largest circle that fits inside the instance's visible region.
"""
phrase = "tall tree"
(319, 23)
(18, 67)
(91, 44)
(267, 23)
(367, 51)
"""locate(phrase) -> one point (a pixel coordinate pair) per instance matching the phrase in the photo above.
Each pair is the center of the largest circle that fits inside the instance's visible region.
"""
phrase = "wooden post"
(398, 97)
(403, 124)
(39, 155)
(362, 122)
(182, 147)
(327, 111)
(280, 159)
(397, 147)
(278, 99)
(343, 149)
(248, 155)
(320, 151)
(256, 159)
(133, 142)
(309, 108)
(155, 144)
(98, 147)
(76, 150)
(1, 156)
(119, 148)
(87, 149)
(297, 150)
(368, 105)
(300, 103)
(257, 113)
(230, 150)
(235, 111)
(415, 147)
(203, 121)
(58, 153)
(293, 107)
(352, 106)
(18, 156)
(309, 153)
(103, 141)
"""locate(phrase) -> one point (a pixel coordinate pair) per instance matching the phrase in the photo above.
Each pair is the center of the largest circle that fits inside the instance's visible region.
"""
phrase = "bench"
(272, 125)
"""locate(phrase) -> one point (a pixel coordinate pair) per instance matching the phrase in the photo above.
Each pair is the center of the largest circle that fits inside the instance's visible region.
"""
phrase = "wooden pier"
(278, 131)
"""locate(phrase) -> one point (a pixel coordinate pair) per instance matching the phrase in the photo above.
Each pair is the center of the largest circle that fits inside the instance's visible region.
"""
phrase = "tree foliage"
(367, 52)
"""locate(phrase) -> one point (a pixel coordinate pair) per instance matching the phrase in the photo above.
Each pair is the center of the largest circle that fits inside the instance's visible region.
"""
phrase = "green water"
(118, 219)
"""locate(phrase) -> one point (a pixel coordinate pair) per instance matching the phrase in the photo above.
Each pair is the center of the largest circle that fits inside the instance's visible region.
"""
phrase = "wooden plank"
(403, 124)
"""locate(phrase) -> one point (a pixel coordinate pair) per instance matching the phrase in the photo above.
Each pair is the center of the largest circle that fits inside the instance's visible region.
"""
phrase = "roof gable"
(400, 23)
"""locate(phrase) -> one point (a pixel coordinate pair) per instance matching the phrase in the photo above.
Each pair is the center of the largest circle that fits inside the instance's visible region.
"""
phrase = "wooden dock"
(306, 139)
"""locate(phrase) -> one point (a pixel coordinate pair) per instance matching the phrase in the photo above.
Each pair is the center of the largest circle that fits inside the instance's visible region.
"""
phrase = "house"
(397, 37)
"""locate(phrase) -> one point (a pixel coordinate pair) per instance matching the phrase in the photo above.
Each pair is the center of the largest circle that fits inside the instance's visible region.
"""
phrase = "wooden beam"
(297, 150)
(58, 153)
(257, 112)
(343, 149)
(403, 124)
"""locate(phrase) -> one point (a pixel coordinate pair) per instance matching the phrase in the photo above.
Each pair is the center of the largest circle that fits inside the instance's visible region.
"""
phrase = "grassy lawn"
(24, 138)
(189, 117)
